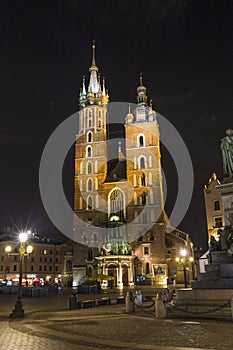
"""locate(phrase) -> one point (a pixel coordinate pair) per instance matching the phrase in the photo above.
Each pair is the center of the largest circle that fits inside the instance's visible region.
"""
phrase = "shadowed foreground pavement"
(48, 324)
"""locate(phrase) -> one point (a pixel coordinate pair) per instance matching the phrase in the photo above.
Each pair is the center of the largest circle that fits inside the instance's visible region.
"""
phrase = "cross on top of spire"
(93, 52)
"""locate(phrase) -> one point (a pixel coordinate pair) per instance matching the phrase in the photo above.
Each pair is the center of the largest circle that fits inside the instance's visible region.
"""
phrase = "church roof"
(116, 170)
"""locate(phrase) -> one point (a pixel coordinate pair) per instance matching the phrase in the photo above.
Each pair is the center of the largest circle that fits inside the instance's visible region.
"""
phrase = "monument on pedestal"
(215, 286)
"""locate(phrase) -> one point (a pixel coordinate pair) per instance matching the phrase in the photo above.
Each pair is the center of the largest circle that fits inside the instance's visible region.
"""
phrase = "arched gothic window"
(141, 141)
(144, 198)
(89, 185)
(89, 202)
(143, 180)
(89, 168)
(99, 119)
(89, 151)
(89, 119)
(89, 136)
(117, 203)
(142, 162)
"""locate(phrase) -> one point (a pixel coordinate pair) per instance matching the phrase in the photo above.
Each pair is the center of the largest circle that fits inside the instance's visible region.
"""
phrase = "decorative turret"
(94, 94)
(105, 97)
(141, 90)
(83, 94)
(142, 112)
(129, 118)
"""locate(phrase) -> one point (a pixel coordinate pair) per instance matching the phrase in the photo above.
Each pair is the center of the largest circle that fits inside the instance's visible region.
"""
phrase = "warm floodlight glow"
(29, 249)
(8, 249)
(115, 218)
(23, 237)
(183, 252)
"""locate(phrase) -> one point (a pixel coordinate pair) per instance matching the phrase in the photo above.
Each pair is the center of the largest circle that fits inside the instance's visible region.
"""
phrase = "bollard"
(129, 303)
(160, 307)
(72, 302)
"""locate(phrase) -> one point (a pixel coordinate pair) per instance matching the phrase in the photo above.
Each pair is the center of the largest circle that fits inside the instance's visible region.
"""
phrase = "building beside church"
(120, 201)
(49, 262)
(213, 207)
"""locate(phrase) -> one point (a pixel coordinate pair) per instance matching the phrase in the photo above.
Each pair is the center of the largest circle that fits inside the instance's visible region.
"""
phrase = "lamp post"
(184, 260)
(18, 311)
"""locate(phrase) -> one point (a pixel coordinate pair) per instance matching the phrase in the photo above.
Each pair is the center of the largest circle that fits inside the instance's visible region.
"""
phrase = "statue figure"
(227, 152)
(214, 244)
(222, 234)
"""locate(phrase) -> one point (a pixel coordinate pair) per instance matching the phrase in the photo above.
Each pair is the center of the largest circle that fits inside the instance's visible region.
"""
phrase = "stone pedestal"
(218, 275)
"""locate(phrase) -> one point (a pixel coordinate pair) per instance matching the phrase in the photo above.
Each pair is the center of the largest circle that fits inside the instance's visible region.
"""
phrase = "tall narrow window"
(144, 198)
(142, 163)
(141, 141)
(89, 119)
(89, 136)
(99, 120)
(89, 151)
(143, 180)
(89, 168)
(89, 185)
(89, 202)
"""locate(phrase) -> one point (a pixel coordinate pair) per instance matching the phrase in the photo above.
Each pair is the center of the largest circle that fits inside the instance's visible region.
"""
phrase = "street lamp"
(18, 311)
(184, 260)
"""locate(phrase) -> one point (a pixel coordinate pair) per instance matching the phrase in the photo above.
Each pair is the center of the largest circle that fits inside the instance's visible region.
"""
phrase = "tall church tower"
(91, 156)
(146, 209)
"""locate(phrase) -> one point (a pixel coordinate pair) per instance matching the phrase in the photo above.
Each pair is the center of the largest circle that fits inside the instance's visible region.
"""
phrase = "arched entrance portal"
(112, 271)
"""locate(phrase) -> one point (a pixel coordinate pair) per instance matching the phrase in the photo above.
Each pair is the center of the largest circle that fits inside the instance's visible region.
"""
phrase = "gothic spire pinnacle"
(94, 86)
(141, 90)
(93, 52)
(94, 94)
(141, 74)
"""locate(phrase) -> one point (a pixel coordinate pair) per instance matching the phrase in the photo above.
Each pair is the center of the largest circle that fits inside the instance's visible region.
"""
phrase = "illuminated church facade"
(120, 201)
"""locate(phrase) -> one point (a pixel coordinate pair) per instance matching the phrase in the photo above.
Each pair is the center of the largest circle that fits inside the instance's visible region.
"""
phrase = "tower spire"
(141, 74)
(94, 94)
(141, 90)
(94, 86)
(93, 52)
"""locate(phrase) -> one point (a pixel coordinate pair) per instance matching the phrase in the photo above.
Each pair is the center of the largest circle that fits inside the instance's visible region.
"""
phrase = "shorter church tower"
(145, 211)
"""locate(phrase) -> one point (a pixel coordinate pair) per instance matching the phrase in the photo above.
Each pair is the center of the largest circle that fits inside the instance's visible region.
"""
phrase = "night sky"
(183, 48)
